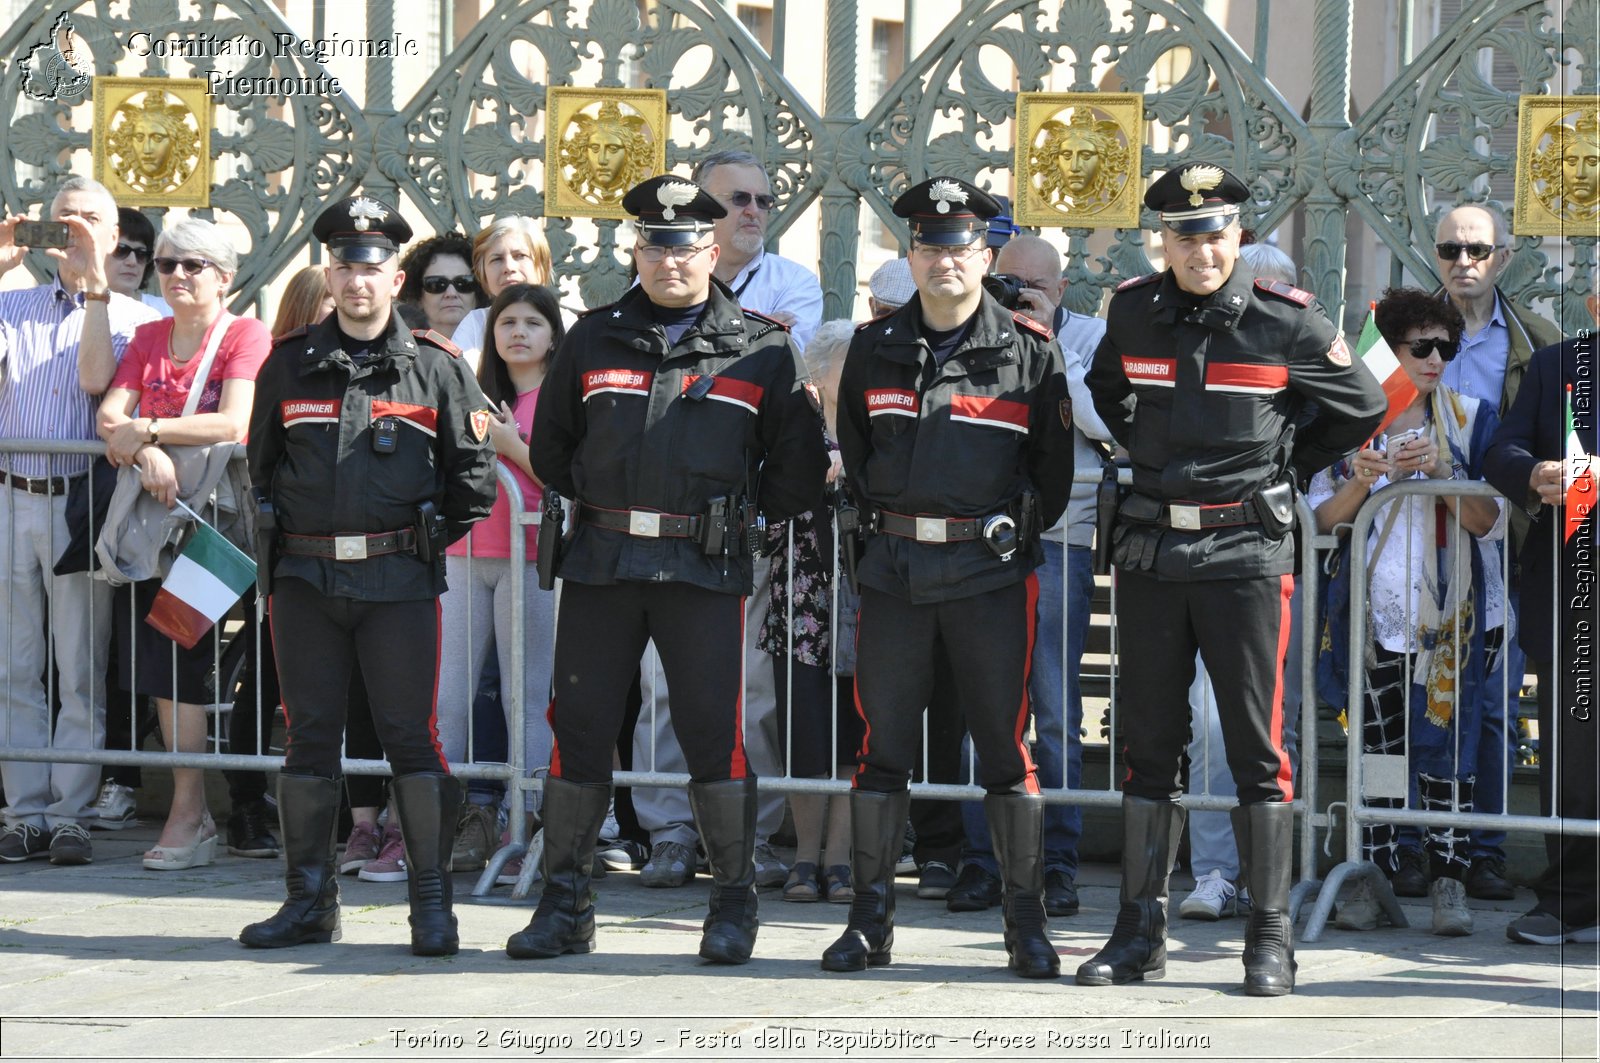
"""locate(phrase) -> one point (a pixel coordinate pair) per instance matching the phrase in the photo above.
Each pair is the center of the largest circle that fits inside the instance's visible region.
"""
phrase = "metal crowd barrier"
(1358, 811)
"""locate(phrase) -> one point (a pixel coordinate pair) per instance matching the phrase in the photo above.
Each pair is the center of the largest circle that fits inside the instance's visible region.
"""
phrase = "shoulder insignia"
(437, 339)
(1339, 351)
(1298, 296)
(1134, 282)
(596, 310)
(1031, 325)
(874, 320)
(763, 318)
(292, 334)
(478, 422)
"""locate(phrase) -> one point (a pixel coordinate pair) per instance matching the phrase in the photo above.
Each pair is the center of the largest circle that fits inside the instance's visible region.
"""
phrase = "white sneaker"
(1451, 917)
(771, 871)
(1361, 911)
(115, 809)
(1213, 897)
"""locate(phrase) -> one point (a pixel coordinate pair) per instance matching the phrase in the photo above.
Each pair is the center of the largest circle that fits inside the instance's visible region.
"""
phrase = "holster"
(1108, 498)
(847, 518)
(429, 528)
(552, 532)
(266, 543)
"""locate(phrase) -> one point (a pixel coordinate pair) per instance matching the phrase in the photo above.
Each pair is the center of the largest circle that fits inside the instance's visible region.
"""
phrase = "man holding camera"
(674, 421)
(369, 450)
(1206, 376)
(956, 433)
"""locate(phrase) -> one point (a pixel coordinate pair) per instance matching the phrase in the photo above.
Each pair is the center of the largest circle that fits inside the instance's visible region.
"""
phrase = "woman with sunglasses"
(508, 251)
(1436, 599)
(439, 281)
(128, 266)
(142, 412)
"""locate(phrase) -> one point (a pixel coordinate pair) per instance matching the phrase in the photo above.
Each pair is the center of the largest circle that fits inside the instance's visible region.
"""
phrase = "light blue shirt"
(1479, 368)
(1079, 335)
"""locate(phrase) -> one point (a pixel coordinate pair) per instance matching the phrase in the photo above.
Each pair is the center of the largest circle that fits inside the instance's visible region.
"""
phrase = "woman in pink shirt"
(142, 412)
(523, 330)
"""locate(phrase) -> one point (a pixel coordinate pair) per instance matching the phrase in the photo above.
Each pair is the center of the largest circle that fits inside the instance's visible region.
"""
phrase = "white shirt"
(769, 284)
(1078, 336)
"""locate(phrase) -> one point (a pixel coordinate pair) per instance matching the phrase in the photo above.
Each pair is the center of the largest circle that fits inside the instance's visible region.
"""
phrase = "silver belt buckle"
(350, 547)
(645, 525)
(1186, 518)
(932, 530)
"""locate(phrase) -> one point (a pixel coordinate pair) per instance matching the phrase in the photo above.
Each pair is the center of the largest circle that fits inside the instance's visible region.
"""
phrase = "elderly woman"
(143, 412)
(1436, 600)
(440, 283)
(508, 251)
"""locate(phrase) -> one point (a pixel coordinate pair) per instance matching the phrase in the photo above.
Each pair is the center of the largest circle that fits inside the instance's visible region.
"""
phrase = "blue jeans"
(1048, 688)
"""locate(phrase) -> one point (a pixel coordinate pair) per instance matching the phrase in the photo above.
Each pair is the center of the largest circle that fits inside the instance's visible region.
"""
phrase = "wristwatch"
(155, 431)
(97, 297)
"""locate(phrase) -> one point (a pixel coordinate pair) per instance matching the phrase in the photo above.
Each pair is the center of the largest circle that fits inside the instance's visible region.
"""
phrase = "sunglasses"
(466, 284)
(121, 252)
(1421, 349)
(1449, 252)
(744, 199)
(191, 266)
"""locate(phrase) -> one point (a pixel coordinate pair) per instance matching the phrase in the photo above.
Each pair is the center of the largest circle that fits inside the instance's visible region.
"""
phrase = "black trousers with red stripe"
(320, 641)
(987, 641)
(1241, 628)
(601, 633)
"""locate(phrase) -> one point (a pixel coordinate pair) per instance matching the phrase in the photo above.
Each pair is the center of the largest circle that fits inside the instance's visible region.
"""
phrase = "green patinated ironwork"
(469, 143)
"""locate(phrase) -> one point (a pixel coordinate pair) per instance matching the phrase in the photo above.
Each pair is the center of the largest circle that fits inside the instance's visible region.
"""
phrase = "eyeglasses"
(1449, 252)
(1421, 349)
(934, 252)
(121, 252)
(656, 255)
(743, 199)
(191, 266)
(466, 284)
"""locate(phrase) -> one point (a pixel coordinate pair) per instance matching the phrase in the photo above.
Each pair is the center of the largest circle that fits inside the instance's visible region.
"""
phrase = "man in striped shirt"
(59, 346)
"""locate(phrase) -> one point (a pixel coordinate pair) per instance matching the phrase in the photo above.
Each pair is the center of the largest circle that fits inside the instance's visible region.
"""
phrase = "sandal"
(802, 885)
(837, 884)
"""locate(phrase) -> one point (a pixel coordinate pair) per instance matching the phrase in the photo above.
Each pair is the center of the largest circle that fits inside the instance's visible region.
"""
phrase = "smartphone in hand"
(42, 234)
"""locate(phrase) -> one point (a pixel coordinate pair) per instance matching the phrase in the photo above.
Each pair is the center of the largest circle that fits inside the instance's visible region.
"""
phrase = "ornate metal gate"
(469, 144)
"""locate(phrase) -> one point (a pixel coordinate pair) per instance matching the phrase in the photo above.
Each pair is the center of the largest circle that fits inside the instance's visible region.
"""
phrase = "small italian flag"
(205, 581)
(1380, 360)
(1577, 478)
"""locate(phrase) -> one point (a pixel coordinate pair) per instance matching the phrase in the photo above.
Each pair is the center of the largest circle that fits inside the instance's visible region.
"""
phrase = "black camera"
(1005, 287)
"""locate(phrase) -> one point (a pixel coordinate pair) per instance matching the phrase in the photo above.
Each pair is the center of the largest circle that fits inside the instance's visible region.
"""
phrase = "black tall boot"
(1138, 945)
(725, 813)
(308, 815)
(564, 920)
(1269, 964)
(1016, 824)
(429, 804)
(877, 831)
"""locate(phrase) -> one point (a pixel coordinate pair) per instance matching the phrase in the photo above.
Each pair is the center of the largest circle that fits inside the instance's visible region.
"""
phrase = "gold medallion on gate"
(152, 141)
(1078, 159)
(1558, 166)
(598, 143)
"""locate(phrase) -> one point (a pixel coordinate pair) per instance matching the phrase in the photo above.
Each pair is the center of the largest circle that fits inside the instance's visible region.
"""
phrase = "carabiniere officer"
(369, 447)
(674, 420)
(1209, 378)
(956, 433)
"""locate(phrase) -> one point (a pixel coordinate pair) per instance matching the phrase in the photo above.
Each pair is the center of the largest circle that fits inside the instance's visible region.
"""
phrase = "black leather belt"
(642, 523)
(1190, 516)
(931, 529)
(44, 485)
(350, 547)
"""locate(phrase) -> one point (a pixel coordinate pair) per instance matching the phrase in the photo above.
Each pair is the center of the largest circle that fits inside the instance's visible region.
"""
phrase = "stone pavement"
(111, 962)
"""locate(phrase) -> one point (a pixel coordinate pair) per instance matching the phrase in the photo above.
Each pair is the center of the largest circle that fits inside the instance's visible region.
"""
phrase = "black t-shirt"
(944, 344)
(676, 320)
(361, 350)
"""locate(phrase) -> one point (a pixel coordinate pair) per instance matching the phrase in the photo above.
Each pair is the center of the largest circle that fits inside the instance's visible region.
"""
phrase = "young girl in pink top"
(523, 330)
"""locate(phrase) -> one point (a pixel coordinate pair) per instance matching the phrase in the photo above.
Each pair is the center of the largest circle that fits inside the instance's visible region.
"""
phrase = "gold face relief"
(1078, 159)
(152, 143)
(598, 144)
(1558, 166)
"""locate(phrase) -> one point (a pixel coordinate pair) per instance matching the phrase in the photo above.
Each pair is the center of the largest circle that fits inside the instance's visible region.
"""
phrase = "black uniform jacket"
(1214, 402)
(1535, 430)
(615, 429)
(965, 439)
(311, 451)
